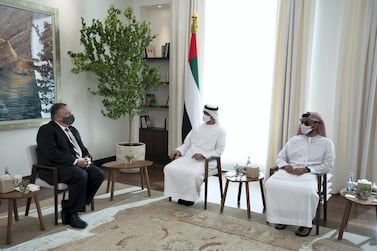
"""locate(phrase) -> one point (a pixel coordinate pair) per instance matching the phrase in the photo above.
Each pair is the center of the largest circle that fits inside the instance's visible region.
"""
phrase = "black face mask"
(69, 120)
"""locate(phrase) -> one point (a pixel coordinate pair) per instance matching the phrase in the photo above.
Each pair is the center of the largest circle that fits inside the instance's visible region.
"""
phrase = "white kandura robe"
(184, 176)
(293, 199)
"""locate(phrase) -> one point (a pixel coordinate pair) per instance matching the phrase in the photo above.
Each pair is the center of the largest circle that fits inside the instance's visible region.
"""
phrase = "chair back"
(31, 153)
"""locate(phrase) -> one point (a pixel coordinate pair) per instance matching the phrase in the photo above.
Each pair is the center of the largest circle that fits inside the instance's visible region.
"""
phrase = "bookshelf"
(154, 126)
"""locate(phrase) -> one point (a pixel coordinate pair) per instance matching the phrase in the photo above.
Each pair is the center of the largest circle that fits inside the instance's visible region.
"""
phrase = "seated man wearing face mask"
(291, 192)
(59, 144)
(184, 176)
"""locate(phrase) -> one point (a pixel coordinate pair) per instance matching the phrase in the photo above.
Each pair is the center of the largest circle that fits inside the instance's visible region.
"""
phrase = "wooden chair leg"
(56, 206)
(205, 193)
(205, 183)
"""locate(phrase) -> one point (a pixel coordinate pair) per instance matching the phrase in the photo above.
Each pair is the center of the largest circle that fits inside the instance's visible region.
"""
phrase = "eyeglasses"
(307, 123)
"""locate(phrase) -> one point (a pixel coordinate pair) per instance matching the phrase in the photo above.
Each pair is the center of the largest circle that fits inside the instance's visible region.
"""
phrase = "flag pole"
(192, 105)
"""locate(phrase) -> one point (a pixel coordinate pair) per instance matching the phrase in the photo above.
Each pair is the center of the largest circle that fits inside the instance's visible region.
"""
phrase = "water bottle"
(248, 162)
(350, 185)
(7, 171)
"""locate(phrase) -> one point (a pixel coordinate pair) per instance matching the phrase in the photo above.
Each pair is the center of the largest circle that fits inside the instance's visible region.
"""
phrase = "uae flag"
(192, 106)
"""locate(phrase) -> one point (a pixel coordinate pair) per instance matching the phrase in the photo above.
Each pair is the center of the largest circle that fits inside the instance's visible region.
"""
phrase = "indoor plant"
(114, 50)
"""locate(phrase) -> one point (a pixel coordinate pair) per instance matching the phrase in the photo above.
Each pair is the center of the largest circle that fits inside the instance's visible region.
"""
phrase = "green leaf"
(113, 49)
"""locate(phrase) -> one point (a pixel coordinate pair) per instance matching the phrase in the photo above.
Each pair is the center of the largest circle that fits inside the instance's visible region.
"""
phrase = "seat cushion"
(42, 183)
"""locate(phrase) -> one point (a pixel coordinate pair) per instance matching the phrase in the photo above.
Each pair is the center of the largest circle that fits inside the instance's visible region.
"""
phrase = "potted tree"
(114, 49)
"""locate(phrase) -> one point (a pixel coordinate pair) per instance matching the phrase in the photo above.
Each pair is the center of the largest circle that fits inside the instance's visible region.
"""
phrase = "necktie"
(73, 142)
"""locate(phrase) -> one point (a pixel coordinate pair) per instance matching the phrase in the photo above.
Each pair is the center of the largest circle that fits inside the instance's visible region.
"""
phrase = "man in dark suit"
(60, 144)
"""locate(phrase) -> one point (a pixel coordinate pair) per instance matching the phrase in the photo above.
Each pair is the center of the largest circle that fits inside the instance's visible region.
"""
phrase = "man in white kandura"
(184, 176)
(291, 192)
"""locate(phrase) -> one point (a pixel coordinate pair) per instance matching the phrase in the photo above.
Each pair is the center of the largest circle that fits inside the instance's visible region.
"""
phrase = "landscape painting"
(29, 66)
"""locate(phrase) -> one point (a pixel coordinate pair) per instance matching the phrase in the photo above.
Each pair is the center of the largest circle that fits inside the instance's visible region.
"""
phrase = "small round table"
(353, 199)
(114, 166)
(230, 177)
(12, 197)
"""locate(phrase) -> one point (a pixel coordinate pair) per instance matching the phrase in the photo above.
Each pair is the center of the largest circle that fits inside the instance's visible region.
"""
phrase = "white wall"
(100, 134)
(160, 25)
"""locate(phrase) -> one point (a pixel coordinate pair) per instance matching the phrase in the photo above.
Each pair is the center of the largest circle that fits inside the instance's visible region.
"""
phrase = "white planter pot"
(137, 150)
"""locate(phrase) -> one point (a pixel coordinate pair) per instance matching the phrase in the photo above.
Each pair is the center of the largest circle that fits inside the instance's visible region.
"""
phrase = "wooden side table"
(114, 166)
(12, 198)
(230, 177)
(350, 201)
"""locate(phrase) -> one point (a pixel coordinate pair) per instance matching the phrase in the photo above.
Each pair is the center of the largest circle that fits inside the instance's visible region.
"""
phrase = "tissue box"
(6, 184)
(364, 185)
(252, 172)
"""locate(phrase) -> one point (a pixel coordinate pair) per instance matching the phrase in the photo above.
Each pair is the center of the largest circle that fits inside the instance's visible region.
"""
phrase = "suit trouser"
(82, 185)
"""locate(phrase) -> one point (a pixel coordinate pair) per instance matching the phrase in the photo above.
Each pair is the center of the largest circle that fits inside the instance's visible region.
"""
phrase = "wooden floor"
(363, 220)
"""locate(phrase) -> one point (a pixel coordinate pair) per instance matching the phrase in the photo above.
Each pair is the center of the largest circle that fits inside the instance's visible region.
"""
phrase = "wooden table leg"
(239, 193)
(37, 205)
(346, 216)
(145, 169)
(224, 196)
(15, 210)
(262, 193)
(142, 177)
(108, 180)
(112, 184)
(10, 218)
(247, 199)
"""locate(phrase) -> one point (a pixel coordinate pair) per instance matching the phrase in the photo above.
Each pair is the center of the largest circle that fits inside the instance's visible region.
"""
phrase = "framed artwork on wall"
(29, 63)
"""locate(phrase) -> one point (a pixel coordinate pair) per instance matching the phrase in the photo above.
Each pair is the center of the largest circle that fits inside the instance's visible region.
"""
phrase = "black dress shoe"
(76, 222)
(303, 231)
(185, 202)
(280, 226)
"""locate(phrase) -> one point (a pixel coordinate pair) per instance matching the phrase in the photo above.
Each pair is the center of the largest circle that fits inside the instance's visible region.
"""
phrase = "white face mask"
(306, 129)
(206, 118)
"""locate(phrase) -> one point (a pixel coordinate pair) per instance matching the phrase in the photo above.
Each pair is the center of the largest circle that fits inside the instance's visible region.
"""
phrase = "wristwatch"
(308, 169)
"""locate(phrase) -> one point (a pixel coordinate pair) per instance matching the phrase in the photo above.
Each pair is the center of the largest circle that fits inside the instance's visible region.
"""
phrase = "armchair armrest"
(54, 170)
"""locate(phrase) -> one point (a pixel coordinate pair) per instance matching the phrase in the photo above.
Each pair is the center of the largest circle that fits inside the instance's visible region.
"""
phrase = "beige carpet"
(27, 228)
(166, 225)
(134, 221)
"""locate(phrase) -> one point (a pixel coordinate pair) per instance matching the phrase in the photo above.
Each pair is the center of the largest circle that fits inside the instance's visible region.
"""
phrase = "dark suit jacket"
(55, 149)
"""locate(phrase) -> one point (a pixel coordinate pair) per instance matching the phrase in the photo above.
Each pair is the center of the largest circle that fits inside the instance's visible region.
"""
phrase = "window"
(237, 74)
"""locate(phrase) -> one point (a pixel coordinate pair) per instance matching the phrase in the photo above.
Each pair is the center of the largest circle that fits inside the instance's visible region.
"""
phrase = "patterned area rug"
(135, 221)
(165, 225)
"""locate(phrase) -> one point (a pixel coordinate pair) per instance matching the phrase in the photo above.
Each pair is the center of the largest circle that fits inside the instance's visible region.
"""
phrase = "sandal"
(280, 226)
(303, 231)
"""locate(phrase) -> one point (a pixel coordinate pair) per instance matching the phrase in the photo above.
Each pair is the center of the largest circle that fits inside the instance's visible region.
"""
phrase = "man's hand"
(289, 169)
(83, 162)
(175, 154)
(301, 170)
(198, 156)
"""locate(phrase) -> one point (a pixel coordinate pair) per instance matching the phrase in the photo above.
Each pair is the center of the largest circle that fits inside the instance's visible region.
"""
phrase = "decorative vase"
(137, 150)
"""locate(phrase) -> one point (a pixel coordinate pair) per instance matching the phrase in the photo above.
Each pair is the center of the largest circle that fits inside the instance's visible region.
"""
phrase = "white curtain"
(291, 74)
(343, 84)
(326, 62)
(181, 23)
